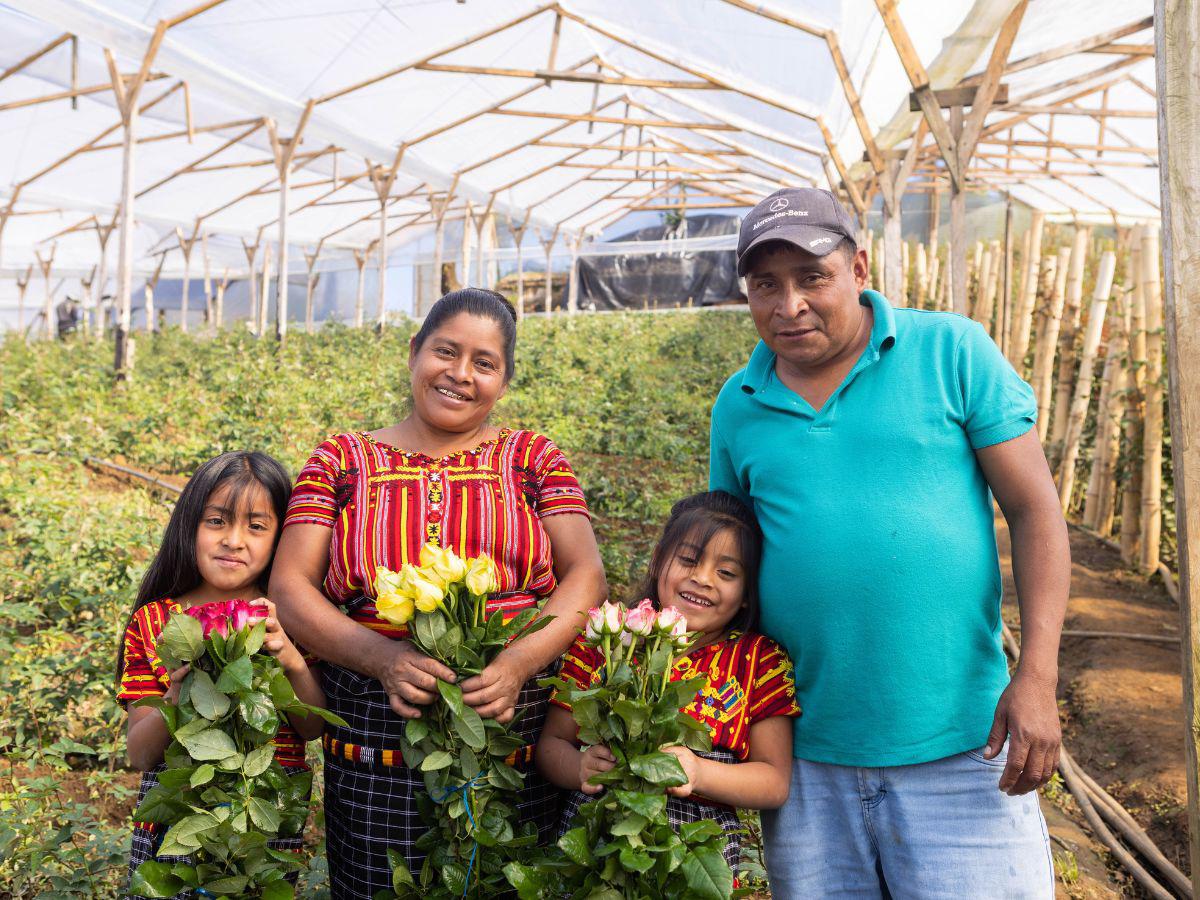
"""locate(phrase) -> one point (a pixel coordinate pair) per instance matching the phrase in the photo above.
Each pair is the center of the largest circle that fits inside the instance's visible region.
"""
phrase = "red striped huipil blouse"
(383, 504)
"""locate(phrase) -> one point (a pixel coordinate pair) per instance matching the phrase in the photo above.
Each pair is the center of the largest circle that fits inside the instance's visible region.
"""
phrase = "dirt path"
(1122, 708)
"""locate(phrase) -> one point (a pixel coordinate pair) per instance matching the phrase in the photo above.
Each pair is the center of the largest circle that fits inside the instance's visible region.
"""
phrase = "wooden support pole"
(935, 272)
(922, 273)
(209, 316)
(1177, 61)
(264, 292)
(1023, 322)
(549, 245)
(1099, 503)
(1004, 313)
(251, 250)
(219, 303)
(984, 306)
(1083, 386)
(185, 247)
(360, 262)
(50, 323)
(892, 268)
(1152, 435)
(149, 288)
(905, 264)
(518, 233)
(958, 223)
(1055, 270)
(1067, 338)
(103, 233)
(1135, 408)
(310, 286)
(573, 284)
(382, 246)
(22, 287)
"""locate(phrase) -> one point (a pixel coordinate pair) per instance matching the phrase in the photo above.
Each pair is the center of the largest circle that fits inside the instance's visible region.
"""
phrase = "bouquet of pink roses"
(223, 795)
(622, 846)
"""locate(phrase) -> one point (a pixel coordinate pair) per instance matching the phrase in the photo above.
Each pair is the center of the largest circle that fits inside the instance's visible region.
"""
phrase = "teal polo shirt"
(880, 573)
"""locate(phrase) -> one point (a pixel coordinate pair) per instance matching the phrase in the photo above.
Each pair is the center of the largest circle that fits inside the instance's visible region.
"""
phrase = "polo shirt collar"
(761, 366)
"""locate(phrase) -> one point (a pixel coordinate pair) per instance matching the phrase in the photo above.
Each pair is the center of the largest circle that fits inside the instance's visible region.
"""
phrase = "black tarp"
(667, 278)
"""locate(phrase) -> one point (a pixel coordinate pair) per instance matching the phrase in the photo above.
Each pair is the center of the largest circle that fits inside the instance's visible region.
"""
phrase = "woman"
(368, 499)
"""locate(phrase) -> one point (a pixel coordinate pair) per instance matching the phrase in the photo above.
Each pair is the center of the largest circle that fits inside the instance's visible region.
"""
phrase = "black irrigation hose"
(154, 480)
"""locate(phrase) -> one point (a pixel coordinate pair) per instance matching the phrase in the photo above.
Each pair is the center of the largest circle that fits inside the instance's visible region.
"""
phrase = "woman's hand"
(494, 691)
(691, 768)
(593, 761)
(410, 678)
(276, 642)
(171, 697)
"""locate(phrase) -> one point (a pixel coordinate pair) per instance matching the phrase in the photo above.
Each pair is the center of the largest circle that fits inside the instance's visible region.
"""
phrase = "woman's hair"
(697, 520)
(173, 571)
(476, 302)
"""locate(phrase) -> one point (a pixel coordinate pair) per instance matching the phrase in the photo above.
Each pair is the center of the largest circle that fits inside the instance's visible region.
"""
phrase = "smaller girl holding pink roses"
(216, 553)
(701, 586)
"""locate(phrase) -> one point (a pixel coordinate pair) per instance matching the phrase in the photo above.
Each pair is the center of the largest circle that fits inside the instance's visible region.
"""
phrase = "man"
(870, 442)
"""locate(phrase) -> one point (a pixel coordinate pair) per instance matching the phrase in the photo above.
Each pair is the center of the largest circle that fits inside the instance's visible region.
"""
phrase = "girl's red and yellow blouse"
(383, 504)
(749, 680)
(144, 674)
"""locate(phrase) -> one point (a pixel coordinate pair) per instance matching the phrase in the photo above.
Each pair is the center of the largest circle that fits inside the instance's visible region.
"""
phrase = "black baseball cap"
(809, 218)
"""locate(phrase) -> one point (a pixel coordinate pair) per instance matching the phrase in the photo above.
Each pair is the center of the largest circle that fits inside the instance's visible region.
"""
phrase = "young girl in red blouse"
(217, 546)
(705, 567)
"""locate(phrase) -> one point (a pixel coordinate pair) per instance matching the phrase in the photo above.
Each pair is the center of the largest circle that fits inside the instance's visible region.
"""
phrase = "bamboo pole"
(1152, 440)
(985, 312)
(310, 286)
(549, 245)
(1004, 312)
(219, 302)
(1131, 500)
(22, 287)
(103, 233)
(209, 312)
(1043, 354)
(935, 271)
(50, 323)
(1177, 64)
(1099, 502)
(904, 272)
(573, 284)
(1083, 386)
(1023, 323)
(264, 298)
(893, 268)
(1067, 338)
(360, 261)
(922, 276)
(251, 252)
(185, 247)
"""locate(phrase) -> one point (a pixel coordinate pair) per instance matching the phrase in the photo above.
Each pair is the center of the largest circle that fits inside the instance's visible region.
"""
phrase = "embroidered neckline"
(416, 454)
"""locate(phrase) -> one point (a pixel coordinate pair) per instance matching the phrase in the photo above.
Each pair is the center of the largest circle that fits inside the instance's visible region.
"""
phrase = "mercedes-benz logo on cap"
(779, 204)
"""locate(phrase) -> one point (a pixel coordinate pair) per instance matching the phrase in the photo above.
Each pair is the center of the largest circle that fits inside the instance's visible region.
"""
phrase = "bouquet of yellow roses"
(470, 801)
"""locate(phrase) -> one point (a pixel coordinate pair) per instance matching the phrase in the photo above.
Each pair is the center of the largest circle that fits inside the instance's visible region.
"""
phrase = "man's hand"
(494, 691)
(410, 679)
(1028, 715)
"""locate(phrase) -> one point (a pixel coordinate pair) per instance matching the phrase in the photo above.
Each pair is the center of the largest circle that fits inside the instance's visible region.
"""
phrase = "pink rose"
(640, 620)
(666, 621)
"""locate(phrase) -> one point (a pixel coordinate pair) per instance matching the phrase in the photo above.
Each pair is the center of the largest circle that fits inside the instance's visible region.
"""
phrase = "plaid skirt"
(371, 806)
(147, 837)
(680, 810)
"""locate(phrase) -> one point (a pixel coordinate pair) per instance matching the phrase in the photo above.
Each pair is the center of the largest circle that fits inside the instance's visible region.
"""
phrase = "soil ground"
(1122, 709)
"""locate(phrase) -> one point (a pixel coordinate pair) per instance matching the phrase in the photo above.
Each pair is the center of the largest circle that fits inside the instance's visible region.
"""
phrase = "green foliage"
(626, 396)
(621, 844)
(223, 795)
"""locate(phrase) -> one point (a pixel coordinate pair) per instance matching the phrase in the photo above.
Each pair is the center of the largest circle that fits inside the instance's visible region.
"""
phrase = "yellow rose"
(442, 564)
(426, 593)
(387, 581)
(481, 576)
(395, 607)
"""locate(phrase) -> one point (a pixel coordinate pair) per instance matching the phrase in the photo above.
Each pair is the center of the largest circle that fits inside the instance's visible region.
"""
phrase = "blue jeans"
(940, 829)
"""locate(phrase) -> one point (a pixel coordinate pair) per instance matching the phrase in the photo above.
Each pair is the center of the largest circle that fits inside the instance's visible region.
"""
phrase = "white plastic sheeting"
(247, 59)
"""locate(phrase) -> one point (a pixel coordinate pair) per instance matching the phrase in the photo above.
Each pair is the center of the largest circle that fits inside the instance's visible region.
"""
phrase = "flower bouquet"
(223, 795)
(622, 845)
(470, 785)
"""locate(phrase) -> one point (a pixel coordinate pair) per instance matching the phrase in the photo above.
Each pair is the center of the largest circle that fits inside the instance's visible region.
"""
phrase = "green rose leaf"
(401, 877)
(452, 694)
(708, 875)
(202, 776)
(696, 832)
(526, 879)
(634, 714)
(208, 701)
(230, 884)
(258, 761)
(257, 711)
(636, 860)
(652, 806)
(184, 836)
(469, 726)
(236, 676)
(278, 890)
(439, 759)
(659, 768)
(263, 814)
(255, 637)
(181, 641)
(210, 744)
(281, 691)
(576, 846)
(154, 879)
(416, 730)
(630, 825)
(505, 777)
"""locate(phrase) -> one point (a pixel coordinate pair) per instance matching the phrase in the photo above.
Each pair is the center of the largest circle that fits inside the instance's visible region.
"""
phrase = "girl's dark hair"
(697, 520)
(476, 302)
(174, 571)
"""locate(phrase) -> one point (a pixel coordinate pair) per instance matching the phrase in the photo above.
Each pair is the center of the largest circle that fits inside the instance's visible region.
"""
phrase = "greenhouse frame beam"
(35, 56)
(578, 77)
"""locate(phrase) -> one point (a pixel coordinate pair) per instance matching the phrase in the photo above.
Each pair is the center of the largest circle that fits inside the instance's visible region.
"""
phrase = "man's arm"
(1027, 712)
